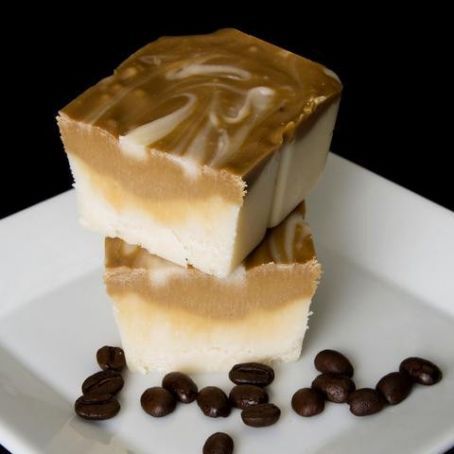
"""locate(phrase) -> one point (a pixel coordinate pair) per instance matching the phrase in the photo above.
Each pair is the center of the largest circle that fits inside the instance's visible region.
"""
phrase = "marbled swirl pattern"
(289, 242)
(226, 100)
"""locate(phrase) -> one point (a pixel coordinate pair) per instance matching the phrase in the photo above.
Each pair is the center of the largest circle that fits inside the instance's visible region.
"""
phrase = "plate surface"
(387, 293)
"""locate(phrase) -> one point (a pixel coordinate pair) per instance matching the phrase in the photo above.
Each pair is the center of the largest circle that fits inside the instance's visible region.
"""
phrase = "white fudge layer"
(166, 340)
(214, 238)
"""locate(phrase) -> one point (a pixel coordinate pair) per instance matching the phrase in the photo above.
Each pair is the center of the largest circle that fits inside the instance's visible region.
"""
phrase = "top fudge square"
(197, 144)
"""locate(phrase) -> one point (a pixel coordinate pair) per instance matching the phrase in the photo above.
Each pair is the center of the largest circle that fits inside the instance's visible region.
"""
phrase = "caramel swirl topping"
(226, 100)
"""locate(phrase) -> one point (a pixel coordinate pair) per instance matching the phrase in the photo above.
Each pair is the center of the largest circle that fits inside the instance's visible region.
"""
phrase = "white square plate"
(387, 293)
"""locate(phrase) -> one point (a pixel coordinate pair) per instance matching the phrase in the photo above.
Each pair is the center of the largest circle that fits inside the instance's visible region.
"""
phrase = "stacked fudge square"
(193, 160)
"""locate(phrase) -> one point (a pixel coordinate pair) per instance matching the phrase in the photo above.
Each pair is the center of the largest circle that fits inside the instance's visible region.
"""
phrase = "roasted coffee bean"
(158, 402)
(95, 397)
(331, 361)
(97, 407)
(213, 402)
(218, 443)
(106, 381)
(308, 402)
(394, 387)
(242, 396)
(365, 401)
(251, 374)
(111, 358)
(335, 388)
(261, 415)
(181, 386)
(421, 371)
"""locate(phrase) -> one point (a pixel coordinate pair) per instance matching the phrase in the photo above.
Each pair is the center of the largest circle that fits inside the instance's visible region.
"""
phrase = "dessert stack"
(193, 160)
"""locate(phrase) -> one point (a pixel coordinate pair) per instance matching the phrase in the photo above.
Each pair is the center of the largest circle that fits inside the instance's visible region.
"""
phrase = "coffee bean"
(331, 361)
(308, 402)
(261, 415)
(95, 397)
(335, 388)
(421, 371)
(111, 358)
(251, 374)
(181, 386)
(218, 443)
(213, 402)
(365, 401)
(394, 387)
(242, 396)
(97, 407)
(158, 402)
(106, 381)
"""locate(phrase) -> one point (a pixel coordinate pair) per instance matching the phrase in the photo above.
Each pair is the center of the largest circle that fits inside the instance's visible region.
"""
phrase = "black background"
(395, 118)
(395, 70)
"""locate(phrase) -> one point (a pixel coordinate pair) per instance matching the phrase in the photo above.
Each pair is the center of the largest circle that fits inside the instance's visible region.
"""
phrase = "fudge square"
(196, 144)
(176, 318)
